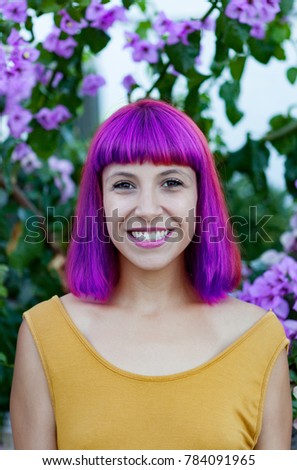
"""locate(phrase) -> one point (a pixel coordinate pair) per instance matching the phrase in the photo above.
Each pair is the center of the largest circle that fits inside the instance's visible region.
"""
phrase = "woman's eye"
(173, 183)
(122, 185)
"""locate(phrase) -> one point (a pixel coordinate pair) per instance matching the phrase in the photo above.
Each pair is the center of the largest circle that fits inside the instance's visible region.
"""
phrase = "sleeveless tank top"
(217, 405)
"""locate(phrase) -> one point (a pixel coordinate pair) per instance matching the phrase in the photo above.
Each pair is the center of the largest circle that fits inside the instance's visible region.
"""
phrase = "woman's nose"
(148, 205)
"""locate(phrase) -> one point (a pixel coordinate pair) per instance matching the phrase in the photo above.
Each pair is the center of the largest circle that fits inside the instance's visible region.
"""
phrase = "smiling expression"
(150, 211)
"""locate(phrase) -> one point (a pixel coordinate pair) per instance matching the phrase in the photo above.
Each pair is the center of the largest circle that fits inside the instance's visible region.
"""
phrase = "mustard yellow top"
(217, 405)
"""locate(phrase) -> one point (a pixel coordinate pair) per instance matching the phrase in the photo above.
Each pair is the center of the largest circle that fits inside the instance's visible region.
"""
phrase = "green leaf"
(229, 92)
(251, 159)
(142, 28)
(128, 3)
(183, 57)
(262, 51)
(141, 4)
(43, 142)
(291, 172)
(3, 271)
(165, 86)
(3, 358)
(235, 35)
(237, 66)
(286, 6)
(48, 6)
(292, 74)
(279, 32)
(95, 38)
(221, 57)
(25, 252)
(192, 103)
(279, 53)
(285, 143)
(196, 79)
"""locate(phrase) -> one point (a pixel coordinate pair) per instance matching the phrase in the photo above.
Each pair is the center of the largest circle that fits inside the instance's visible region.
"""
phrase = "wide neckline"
(158, 378)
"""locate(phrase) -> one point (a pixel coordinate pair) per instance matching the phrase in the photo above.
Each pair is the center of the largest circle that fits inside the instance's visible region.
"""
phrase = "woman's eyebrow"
(163, 173)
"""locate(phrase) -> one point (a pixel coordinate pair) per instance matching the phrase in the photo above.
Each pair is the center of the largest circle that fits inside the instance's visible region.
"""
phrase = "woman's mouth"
(151, 239)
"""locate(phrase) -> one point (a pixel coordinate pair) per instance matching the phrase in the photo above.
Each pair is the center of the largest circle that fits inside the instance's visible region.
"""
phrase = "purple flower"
(178, 32)
(258, 30)
(144, 50)
(61, 113)
(42, 75)
(14, 39)
(61, 47)
(51, 41)
(28, 158)
(15, 10)
(256, 13)
(172, 70)
(242, 10)
(51, 118)
(91, 83)
(69, 25)
(20, 151)
(271, 257)
(3, 85)
(162, 23)
(21, 80)
(104, 19)
(290, 327)
(270, 291)
(60, 165)
(58, 77)
(128, 82)
(289, 241)
(269, 9)
(93, 10)
(66, 186)
(293, 220)
(30, 54)
(209, 24)
(18, 121)
(65, 48)
(62, 181)
(132, 39)
(188, 27)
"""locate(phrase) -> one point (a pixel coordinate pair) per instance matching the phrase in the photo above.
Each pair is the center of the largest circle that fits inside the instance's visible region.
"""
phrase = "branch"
(158, 79)
(211, 9)
(279, 133)
(21, 198)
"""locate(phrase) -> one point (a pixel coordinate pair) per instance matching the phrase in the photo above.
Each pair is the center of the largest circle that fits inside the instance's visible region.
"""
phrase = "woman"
(148, 350)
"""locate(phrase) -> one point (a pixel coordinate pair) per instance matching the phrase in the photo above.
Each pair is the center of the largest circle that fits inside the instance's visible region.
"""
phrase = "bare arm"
(277, 418)
(32, 417)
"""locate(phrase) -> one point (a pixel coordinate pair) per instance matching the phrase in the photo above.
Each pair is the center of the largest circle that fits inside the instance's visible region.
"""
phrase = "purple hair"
(153, 131)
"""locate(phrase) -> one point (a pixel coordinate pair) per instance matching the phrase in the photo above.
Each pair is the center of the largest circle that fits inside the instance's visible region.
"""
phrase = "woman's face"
(150, 211)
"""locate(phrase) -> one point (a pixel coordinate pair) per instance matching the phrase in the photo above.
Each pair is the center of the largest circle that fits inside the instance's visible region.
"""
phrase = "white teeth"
(150, 236)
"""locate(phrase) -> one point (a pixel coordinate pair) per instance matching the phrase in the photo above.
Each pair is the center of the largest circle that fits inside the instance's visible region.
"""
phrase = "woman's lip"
(153, 229)
(148, 243)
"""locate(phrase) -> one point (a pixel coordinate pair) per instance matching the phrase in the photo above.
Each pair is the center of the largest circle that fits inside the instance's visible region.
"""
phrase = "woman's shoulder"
(234, 317)
(243, 313)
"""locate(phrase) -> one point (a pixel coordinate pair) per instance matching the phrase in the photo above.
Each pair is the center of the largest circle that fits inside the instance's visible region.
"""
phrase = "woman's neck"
(149, 292)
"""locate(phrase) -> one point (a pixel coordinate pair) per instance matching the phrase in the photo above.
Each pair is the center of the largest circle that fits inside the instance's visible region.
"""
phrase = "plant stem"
(211, 9)
(279, 133)
(21, 198)
(158, 79)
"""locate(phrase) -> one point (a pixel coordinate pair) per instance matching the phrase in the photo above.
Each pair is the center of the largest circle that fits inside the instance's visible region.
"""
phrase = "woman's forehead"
(146, 168)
